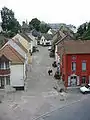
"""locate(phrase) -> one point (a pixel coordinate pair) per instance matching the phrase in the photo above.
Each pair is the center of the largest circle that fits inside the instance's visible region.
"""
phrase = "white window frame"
(83, 65)
(73, 66)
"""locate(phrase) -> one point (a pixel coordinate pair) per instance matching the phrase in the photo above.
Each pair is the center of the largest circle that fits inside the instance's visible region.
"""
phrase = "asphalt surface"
(77, 111)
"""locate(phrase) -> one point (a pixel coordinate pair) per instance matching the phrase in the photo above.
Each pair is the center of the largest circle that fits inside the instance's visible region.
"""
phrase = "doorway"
(2, 82)
(73, 80)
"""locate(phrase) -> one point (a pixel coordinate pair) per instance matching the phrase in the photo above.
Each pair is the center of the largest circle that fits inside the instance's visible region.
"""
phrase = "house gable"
(22, 40)
(11, 54)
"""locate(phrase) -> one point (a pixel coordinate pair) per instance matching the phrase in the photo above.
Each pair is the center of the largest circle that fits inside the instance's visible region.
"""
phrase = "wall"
(56, 54)
(79, 58)
(49, 31)
(47, 41)
(1, 29)
(17, 75)
(42, 40)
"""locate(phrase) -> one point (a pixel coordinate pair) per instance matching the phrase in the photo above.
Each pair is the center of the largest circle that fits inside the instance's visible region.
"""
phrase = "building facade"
(76, 69)
(75, 63)
(13, 68)
(4, 72)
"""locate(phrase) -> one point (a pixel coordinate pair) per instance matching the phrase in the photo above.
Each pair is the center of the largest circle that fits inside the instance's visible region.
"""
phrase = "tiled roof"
(47, 36)
(11, 54)
(25, 36)
(77, 47)
(20, 45)
(58, 36)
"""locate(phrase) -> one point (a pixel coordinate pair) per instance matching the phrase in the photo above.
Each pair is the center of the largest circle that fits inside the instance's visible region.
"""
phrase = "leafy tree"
(44, 28)
(9, 23)
(38, 25)
(84, 31)
(80, 30)
(35, 23)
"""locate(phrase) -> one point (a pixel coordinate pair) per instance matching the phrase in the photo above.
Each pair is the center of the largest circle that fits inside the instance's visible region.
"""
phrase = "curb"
(44, 115)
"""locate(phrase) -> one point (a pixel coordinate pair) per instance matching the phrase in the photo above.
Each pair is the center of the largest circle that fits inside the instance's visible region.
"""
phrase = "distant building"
(24, 27)
(46, 39)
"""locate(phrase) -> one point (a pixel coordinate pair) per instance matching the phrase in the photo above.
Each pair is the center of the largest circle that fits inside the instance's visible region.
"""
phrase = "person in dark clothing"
(49, 71)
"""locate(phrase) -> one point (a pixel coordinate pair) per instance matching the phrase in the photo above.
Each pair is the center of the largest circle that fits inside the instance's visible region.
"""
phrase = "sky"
(73, 12)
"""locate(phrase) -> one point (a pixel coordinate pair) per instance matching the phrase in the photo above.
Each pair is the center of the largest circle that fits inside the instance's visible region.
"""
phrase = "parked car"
(49, 48)
(51, 54)
(85, 89)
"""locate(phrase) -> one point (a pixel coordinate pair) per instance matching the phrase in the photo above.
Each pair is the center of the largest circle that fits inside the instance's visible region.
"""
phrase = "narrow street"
(38, 79)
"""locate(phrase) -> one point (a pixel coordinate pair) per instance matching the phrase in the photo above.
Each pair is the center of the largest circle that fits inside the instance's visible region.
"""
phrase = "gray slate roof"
(26, 37)
(47, 36)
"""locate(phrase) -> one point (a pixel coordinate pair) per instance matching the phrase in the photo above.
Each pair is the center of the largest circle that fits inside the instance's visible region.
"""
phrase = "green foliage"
(9, 23)
(44, 28)
(83, 31)
(37, 25)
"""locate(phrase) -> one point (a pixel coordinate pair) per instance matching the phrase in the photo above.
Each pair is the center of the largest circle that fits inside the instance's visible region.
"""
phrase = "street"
(77, 111)
(39, 98)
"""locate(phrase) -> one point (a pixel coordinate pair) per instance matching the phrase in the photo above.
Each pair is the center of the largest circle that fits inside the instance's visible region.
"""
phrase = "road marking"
(60, 108)
(50, 94)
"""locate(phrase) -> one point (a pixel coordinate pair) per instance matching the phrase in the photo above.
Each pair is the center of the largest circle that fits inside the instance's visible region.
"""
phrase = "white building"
(46, 39)
(15, 70)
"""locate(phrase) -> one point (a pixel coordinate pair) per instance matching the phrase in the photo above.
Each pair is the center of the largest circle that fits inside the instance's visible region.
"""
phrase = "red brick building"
(75, 62)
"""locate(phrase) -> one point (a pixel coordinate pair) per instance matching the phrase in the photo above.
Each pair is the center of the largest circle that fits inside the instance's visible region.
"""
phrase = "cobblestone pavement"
(39, 97)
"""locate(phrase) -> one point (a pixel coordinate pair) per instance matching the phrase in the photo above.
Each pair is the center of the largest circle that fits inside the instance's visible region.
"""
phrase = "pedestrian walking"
(49, 71)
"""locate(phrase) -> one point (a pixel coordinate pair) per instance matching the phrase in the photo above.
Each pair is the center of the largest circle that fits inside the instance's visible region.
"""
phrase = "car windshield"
(87, 86)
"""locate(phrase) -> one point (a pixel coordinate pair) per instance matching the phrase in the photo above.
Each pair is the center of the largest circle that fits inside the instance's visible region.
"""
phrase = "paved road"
(40, 96)
(77, 111)
(38, 78)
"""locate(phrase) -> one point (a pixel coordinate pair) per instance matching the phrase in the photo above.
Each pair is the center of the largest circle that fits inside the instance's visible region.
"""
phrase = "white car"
(85, 89)
(49, 48)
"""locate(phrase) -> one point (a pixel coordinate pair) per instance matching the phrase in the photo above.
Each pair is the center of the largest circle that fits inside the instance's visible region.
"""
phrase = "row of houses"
(15, 56)
(46, 38)
(73, 57)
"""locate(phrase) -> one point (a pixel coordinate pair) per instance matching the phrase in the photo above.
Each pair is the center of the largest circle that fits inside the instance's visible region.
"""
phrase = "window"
(7, 80)
(2, 65)
(83, 79)
(73, 57)
(73, 66)
(7, 65)
(84, 66)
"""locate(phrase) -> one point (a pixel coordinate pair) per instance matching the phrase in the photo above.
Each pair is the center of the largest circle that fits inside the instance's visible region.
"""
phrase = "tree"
(84, 31)
(80, 30)
(35, 23)
(9, 23)
(44, 28)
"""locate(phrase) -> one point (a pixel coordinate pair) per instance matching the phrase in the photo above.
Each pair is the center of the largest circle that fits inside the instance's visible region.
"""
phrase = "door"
(73, 80)
(2, 82)
(78, 80)
(68, 81)
(89, 79)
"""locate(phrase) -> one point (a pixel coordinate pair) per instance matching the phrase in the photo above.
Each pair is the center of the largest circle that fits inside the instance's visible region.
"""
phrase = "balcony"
(4, 72)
